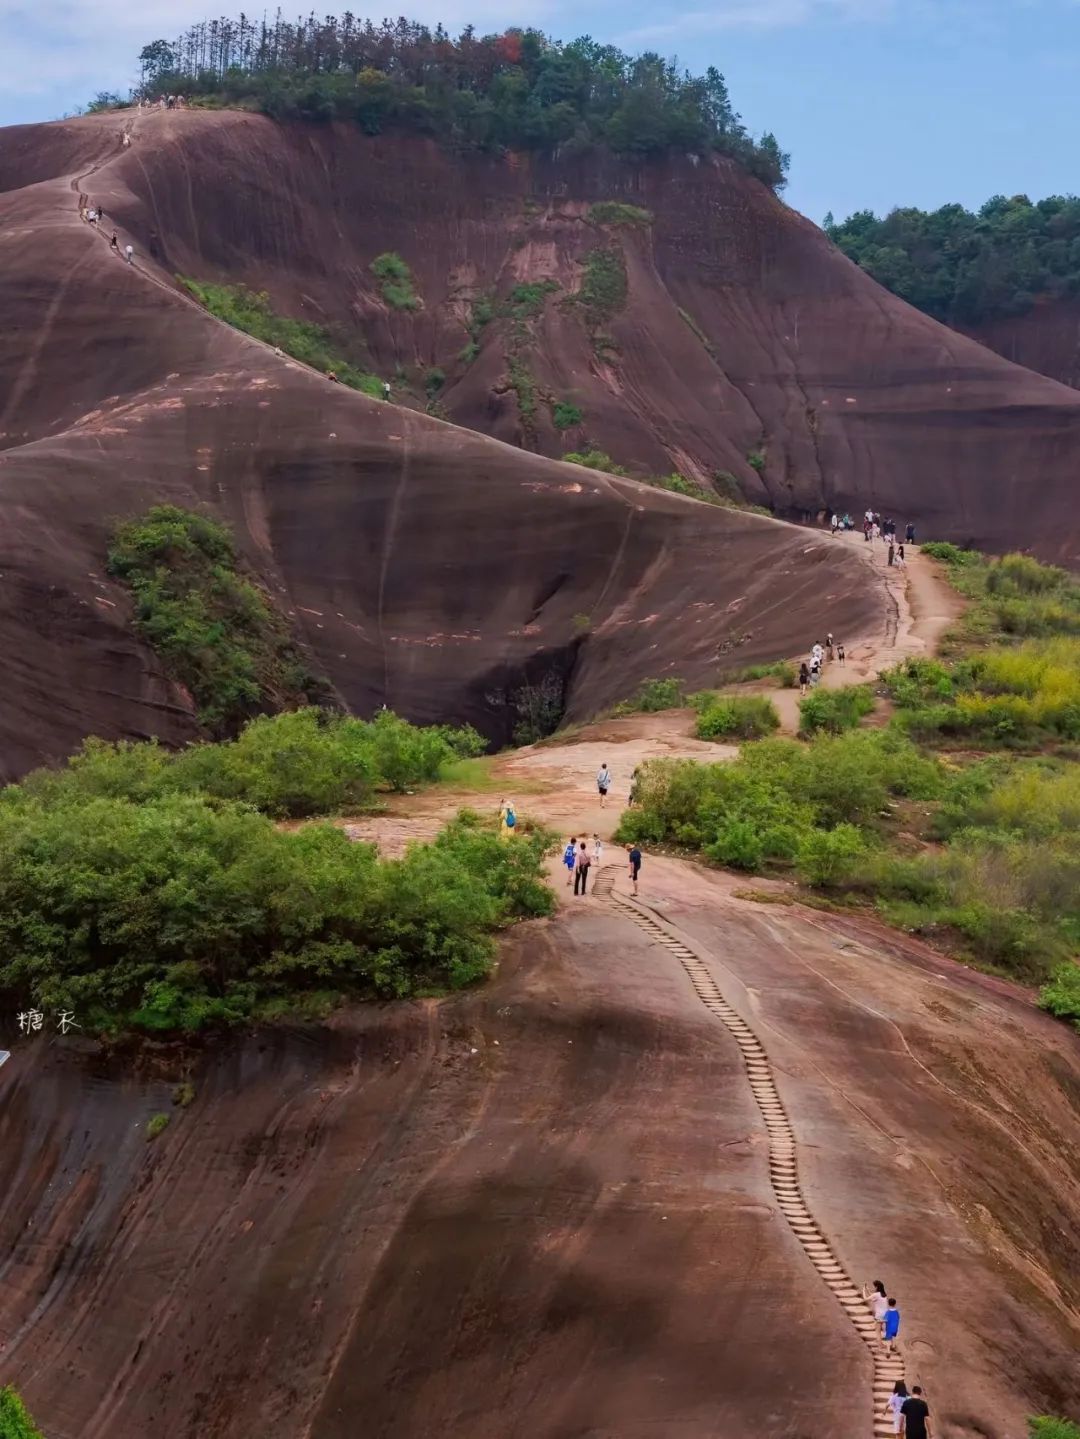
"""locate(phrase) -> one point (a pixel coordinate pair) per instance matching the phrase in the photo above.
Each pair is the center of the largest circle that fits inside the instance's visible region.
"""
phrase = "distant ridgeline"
(964, 267)
(517, 90)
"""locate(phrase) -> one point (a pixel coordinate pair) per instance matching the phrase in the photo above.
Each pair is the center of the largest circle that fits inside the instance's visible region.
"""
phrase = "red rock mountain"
(1046, 339)
(424, 565)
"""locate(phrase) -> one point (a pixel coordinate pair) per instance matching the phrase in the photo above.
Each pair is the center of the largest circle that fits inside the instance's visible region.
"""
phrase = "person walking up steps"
(581, 870)
(568, 859)
(915, 1416)
(877, 1299)
(895, 1403)
(891, 1327)
(633, 854)
(603, 782)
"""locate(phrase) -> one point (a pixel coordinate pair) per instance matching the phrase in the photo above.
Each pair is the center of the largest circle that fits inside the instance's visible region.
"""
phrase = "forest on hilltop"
(964, 267)
(516, 90)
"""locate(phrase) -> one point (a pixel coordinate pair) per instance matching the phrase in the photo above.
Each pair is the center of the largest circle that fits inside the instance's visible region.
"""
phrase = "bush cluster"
(834, 711)
(249, 310)
(215, 631)
(617, 212)
(179, 913)
(15, 1421)
(729, 717)
(289, 766)
(395, 281)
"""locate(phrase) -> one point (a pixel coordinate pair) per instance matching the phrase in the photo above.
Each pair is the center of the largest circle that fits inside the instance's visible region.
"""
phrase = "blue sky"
(881, 102)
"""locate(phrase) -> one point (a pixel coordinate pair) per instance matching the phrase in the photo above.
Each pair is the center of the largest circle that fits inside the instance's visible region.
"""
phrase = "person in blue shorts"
(569, 856)
(891, 1327)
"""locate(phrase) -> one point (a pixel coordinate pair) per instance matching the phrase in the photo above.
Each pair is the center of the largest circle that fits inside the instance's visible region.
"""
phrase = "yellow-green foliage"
(15, 1421)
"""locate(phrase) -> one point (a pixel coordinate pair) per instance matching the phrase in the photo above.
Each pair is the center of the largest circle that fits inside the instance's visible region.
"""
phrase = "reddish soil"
(425, 566)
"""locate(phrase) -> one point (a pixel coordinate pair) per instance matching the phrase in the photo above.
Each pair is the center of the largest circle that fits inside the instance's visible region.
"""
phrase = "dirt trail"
(919, 605)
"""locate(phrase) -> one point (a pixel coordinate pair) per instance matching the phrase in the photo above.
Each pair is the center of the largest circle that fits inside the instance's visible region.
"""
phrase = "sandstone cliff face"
(425, 566)
(743, 331)
(1046, 339)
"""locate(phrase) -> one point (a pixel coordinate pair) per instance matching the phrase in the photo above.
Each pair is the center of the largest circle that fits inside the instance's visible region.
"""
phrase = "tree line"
(516, 90)
(964, 266)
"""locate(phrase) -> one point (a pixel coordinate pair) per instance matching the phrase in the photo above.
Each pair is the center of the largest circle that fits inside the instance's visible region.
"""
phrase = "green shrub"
(737, 717)
(395, 281)
(1048, 1428)
(1061, 994)
(528, 300)
(177, 914)
(654, 696)
(249, 310)
(756, 460)
(524, 387)
(782, 671)
(15, 1421)
(289, 766)
(680, 485)
(615, 212)
(565, 416)
(434, 379)
(835, 710)
(829, 857)
(594, 460)
(215, 630)
(951, 554)
(603, 289)
(156, 1124)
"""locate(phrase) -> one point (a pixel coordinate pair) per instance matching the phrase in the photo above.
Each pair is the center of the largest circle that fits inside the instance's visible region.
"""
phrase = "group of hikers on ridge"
(810, 668)
(908, 1412)
(877, 528)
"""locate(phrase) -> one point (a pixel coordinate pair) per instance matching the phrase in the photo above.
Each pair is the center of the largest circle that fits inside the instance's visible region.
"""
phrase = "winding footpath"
(783, 1142)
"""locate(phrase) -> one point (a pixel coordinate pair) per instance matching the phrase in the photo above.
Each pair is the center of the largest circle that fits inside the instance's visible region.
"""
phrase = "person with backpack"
(507, 820)
(581, 869)
(569, 858)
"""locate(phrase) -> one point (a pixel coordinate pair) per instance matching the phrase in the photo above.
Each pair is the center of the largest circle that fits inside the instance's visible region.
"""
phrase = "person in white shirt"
(603, 783)
(597, 848)
(129, 253)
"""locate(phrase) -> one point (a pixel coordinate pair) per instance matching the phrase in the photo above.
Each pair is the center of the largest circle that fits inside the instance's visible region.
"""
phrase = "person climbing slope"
(895, 1403)
(114, 243)
(633, 854)
(581, 869)
(129, 253)
(891, 1328)
(568, 859)
(603, 782)
(915, 1416)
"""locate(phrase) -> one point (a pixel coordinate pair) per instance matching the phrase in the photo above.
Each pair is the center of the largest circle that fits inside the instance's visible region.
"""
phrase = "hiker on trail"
(891, 1327)
(815, 670)
(386, 389)
(900, 559)
(569, 856)
(869, 517)
(877, 1299)
(633, 854)
(507, 820)
(892, 553)
(895, 1403)
(114, 243)
(866, 530)
(915, 1416)
(829, 645)
(875, 532)
(581, 869)
(100, 213)
(91, 216)
(840, 654)
(597, 849)
(634, 782)
(129, 253)
(804, 677)
(909, 533)
(818, 652)
(603, 782)
(331, 376)
(835, 522)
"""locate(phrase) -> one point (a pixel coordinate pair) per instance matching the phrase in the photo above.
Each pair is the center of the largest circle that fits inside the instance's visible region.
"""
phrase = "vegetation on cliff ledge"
(518, 90)
(215, 630)
(964, 267)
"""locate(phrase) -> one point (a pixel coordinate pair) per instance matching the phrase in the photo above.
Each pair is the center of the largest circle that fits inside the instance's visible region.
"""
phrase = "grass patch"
(524, 388)
(1061, 996)
(184, 1095)
(782, 671)
(692, 325)
(615, 212)
(566, 416)
(395, 281)
(594, 460)
(654, 696)
(728, 717)
(156, 1124)
(15, 1421)
(603, 289)
(756, 460)
(834, 711)
(249, 310)
(214, 628)
(527, 300)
